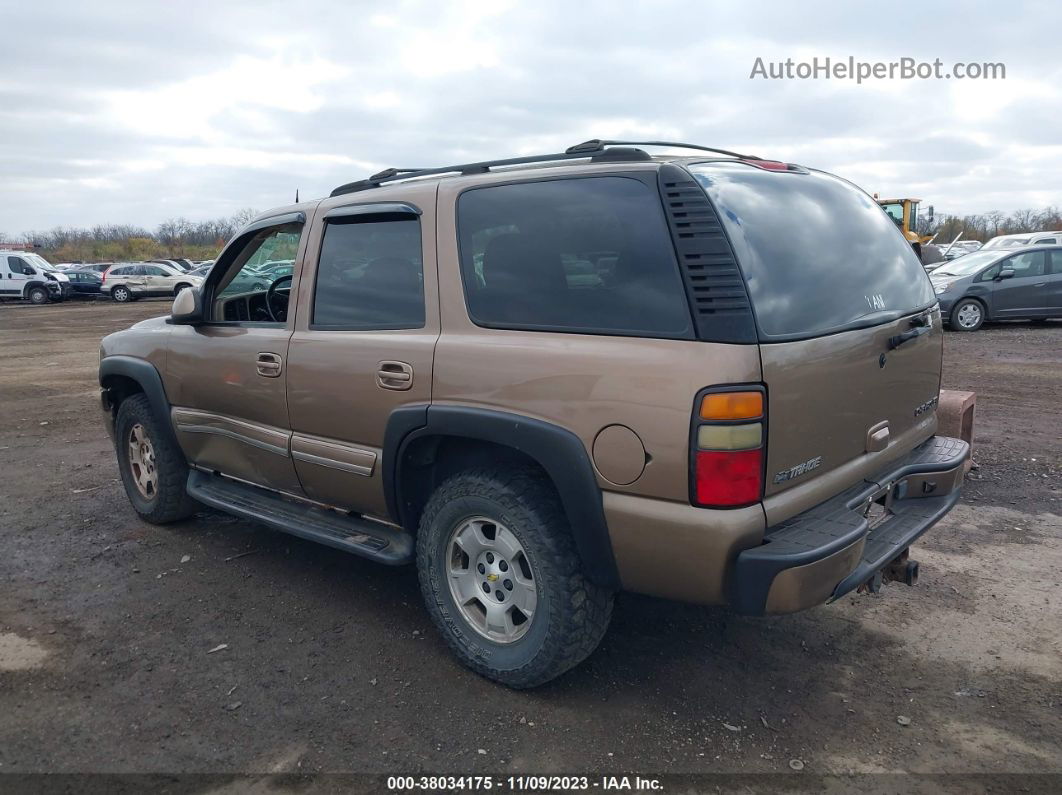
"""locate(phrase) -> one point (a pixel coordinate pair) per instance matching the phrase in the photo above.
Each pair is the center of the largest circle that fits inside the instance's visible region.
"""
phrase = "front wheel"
(37, 295)
(153, 469)
(968, 315)
(502, 581)
(121, 295)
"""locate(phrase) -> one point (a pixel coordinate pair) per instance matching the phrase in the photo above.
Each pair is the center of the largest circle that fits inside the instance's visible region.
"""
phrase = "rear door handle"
(394, 375)
(269, 364)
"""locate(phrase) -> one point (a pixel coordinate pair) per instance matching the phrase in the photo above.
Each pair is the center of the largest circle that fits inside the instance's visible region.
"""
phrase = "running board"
(372, 540)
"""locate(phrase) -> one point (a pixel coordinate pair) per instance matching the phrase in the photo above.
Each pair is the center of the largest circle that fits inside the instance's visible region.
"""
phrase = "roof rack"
(595, 149)
(597, 145)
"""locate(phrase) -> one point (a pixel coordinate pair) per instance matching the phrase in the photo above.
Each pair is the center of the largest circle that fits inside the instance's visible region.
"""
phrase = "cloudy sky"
(137, 112)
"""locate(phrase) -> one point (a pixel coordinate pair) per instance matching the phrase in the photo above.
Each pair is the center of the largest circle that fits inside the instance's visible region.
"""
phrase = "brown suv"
(544, 379)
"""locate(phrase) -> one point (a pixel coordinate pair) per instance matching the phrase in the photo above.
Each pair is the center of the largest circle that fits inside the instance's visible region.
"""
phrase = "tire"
(168, 501)
(967, 315)
(570, 615)
(37, 295)
(178, 288)
(121, 294)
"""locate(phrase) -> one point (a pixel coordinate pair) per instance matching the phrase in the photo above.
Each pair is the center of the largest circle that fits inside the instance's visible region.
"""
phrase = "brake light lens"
(104, 277)
(728, 449)
(729, 479)
(770, 165)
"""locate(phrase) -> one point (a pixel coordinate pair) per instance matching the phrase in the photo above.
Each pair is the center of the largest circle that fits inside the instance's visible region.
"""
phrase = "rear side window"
(590, 255)
(370, 275)
(817, 253)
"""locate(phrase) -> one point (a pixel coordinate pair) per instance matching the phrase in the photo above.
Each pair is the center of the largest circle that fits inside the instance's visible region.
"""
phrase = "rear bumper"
(822, 554)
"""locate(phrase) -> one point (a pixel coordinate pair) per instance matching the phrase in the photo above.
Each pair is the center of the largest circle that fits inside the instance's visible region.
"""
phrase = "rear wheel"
(153, 469)
(37, 295)
(121, 294)
(502, 581)
(968, 315)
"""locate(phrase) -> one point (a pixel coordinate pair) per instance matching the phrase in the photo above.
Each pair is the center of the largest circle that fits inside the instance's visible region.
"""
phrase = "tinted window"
(817, 253)
(591, 255)
(19, 265)
(1026, 265)
(151, 270)
(370, 275)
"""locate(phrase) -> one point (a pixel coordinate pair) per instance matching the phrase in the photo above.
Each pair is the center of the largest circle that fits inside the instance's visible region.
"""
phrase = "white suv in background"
(128, 281)
(1025, 239)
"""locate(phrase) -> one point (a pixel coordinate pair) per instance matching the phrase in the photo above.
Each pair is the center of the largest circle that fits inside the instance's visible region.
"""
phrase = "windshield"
(37, 261)
(1006, 242)
(967, 264)
(818, 254)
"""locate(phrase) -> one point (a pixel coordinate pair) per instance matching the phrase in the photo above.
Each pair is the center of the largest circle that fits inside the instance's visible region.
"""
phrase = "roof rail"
(596, 149)
(598, 145)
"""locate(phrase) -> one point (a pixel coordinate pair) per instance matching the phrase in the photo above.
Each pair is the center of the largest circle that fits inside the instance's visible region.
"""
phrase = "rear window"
(590, 255)
(818, 254)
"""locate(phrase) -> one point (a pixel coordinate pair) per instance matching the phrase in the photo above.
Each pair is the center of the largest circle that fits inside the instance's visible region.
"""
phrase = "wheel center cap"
(492, 577)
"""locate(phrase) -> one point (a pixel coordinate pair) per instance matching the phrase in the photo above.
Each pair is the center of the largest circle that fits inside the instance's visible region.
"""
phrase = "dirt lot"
(106, 623)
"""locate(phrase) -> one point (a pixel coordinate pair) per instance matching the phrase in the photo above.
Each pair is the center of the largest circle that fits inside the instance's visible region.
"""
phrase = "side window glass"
(1026, 265)
(589, 255)
(240, 293)
(991, 273)
(370, 275)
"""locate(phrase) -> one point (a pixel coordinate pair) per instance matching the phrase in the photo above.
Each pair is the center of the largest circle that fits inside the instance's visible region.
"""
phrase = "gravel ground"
(329, 663)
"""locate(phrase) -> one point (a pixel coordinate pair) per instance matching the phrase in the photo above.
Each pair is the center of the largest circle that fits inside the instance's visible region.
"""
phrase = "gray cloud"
(123, 112)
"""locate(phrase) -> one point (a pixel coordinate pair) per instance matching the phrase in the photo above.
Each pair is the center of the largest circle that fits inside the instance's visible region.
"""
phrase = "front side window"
(241, 294)
(370, 274)
(1027, 265)
(19, 265)
(590, 255)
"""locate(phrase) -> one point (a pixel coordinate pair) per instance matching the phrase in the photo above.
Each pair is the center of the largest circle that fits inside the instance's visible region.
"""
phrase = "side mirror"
(1006, 273)
(187, 308)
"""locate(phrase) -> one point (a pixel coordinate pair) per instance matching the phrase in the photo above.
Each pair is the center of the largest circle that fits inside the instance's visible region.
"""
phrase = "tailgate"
(841, 406)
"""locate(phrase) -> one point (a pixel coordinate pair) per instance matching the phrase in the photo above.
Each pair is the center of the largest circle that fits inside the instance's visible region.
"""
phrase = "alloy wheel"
(491, 579)
(142, 462)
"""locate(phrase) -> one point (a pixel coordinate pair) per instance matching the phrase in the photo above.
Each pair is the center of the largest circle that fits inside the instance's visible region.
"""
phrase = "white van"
(31, 277)
(1025, 239)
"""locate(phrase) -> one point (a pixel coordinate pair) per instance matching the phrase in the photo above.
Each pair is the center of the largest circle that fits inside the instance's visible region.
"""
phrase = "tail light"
(103, 278)
(727, 443)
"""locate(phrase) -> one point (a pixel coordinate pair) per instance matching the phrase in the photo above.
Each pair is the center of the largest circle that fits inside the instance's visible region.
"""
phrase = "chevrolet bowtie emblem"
(492, 577)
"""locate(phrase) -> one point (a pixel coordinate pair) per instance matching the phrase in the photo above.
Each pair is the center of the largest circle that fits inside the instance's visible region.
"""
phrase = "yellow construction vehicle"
(905, 213)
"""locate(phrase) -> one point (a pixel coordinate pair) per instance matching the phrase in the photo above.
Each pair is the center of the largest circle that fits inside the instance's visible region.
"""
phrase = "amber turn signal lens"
(732, 406)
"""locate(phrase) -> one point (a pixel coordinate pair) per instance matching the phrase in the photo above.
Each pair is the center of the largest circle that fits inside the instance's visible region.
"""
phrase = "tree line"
(177, 237)
(987, 225)
(197, 240)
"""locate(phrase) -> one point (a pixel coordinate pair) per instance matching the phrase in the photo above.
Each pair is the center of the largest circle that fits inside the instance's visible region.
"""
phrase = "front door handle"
(269, 364)
(1040, 284)
(394, 375)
